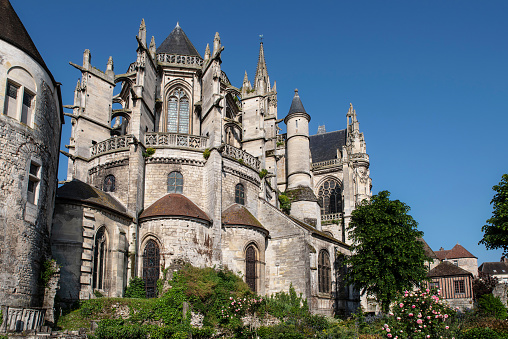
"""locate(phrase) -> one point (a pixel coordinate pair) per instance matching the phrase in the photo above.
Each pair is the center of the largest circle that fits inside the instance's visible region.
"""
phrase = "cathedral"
(179, 167)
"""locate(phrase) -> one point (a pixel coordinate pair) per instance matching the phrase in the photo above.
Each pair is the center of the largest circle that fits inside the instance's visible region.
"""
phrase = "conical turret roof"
(296, 105)
(177, 42)
(15, 33)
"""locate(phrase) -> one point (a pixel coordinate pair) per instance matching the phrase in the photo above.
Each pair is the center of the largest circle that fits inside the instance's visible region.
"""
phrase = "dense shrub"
(136, 288)
(488, 305)
(290, 305)
(481, 333)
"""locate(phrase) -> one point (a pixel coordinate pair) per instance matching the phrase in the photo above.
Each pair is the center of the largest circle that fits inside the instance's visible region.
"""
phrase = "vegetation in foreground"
(223, 302)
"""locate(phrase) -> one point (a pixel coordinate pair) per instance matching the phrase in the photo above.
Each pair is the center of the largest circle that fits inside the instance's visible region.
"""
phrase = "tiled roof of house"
(494, 268)
(239, 215)
(428, 251)
(79, 191)
(13, 31)
(446, 269)
(178, 43)
(324, 146)
(174, 205)
(455, 253)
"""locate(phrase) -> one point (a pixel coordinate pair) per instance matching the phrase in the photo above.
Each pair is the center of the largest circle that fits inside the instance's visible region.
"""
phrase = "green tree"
(387, 256)
(496, 231)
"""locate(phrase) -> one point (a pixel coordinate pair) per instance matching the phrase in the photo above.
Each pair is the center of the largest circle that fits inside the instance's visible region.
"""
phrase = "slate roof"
(239, 215)
(446, 269)
(14, 32)
(428, 251)
(296, 104)
(455, 253)
(178, 43)
(494, 268)
(324, 146)
(79, 191)
(174, 205)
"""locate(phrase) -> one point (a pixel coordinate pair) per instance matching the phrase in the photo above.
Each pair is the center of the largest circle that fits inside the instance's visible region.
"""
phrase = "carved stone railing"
(360, 156)
(116, 143)
(175, 140)
(326, 164)
(241, 156)
(180, 59)
(331, 216)
(21, 319)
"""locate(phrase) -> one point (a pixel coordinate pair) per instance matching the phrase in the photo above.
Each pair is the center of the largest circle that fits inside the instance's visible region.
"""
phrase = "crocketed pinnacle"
(261, 80)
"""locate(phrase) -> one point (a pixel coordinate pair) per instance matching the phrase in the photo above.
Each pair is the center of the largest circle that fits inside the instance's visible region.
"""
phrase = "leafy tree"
(492, 306)
(496, 231)
(387, 254)
(483, 284)
(136, 288)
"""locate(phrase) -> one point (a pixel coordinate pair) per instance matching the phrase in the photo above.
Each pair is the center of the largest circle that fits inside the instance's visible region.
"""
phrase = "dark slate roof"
(446, 269)
(239, 215)
(455, 253)
(296, 104)
(177, 42)
(428, 251)
(499, 267)
(324, 146)
(14, 32)
(174, 205)
(79, 191)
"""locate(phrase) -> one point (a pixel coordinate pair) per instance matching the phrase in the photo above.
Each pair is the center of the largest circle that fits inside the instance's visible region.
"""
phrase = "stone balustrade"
(241, 156)
(360, 156)
(180, 59)
(171, 140)
(326, 164)
(21, 319)
(331, 217)
(116, 143)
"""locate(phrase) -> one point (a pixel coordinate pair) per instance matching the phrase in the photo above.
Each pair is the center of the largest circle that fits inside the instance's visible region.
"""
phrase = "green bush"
(281, 331)
(47, 271)
(489, 305)
(481, 333)
(285, 203)
(91, 307)
(263, 173)
(206, 153)
(136, 288)
(149, 152)
(287, 305)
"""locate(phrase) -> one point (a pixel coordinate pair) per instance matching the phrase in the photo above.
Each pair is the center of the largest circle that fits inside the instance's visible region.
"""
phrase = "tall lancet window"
(178, 112)
(330, 197)
(100, 252)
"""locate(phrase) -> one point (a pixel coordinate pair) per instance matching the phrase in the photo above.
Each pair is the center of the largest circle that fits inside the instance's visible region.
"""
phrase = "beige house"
(460, 257)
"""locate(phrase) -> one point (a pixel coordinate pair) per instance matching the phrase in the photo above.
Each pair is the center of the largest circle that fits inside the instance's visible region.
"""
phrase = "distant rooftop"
(178, 43)
(324, 146)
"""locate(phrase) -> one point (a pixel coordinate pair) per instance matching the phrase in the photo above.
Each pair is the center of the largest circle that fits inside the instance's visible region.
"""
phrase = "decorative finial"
(261, 38)
(178, 24)
(296, 91)
(110, 64)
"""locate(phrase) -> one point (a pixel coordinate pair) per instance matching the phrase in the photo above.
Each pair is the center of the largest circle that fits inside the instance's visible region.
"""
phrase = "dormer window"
(178, 112)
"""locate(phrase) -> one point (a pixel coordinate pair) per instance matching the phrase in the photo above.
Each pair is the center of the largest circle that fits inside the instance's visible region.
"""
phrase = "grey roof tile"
(178, 43)
(324, 146)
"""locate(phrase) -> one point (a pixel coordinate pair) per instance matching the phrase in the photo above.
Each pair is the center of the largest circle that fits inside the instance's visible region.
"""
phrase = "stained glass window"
(178, 112)
(330, 196)
(324, 272)
(151, 264)
(100, 251)
(109, 183)
(250, 267)
(240, 194)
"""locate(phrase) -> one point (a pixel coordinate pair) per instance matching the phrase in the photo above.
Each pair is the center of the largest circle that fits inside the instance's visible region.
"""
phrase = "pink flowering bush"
(419, 315)
(239, 307)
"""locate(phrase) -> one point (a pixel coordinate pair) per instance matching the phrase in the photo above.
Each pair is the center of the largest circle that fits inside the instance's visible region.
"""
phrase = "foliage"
(285, 203)
(280, 143)
(496, 230)
(98, 294)
(206, 153)
(483, 284)
(263, 173)
(387, 256)
(149, 152)
(481, 333)
(287, 305)
(240, 161)
(136, 288)
(489, 305)
(49, 268)
(419, 314)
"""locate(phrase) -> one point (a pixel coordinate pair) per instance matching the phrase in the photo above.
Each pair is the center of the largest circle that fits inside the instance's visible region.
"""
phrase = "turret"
(304, 201)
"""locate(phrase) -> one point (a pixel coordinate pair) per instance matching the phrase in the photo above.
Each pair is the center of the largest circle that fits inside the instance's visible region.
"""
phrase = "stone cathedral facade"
(183, 167)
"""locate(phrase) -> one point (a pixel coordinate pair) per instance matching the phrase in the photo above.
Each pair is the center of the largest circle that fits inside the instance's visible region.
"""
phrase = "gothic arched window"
(324, 272)
(250, 267)
(240, 194)
(178, 112)
(175, 182)
(151, 266)
(99, 263)
(330, 197)
(109, 183)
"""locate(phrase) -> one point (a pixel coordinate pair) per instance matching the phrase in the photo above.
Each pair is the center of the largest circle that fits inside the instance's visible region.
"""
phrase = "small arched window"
(324, 272)
(250, 267)
(109, 183)
(100, 253)
(330, 197)
(240, 194)
(175, 182)
(151, 264)
(178, 112)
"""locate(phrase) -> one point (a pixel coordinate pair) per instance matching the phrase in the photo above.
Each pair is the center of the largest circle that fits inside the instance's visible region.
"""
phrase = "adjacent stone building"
(182, 166)
(30, 126)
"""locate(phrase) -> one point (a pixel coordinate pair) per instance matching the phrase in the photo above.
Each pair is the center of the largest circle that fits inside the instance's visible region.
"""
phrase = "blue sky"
(428, 80)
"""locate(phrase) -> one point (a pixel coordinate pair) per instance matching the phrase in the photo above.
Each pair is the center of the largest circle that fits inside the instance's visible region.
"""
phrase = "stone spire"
(152, 47)
(352, 121)
(109, 66)
(261, 81)
(216, 43)
(142, 32)
(246, 86)
(207, 52)
(87, 58)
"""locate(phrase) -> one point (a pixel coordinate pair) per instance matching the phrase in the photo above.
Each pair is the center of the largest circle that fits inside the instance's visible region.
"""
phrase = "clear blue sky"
(428, 80)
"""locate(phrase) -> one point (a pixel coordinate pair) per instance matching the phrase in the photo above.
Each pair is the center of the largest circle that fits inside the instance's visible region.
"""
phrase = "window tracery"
(151, 264)
(324, 272)
(330, 197)
(178, 112)
(100, 253)
(240, 194)
(250, 267)
(109, 183)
